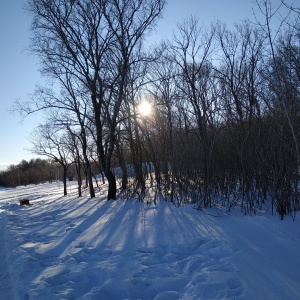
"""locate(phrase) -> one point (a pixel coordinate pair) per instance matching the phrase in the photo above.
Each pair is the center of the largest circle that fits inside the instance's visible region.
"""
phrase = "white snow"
(82, 248)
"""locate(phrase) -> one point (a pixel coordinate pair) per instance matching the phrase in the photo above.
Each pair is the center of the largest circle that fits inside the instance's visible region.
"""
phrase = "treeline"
(38, 170)
(33, 171)
(224, 127)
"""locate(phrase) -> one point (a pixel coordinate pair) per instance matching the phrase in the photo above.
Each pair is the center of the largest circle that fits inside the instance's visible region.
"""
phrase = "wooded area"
(224, 126)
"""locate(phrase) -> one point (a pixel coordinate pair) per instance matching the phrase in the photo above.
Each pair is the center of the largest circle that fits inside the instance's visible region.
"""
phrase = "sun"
(145, 108)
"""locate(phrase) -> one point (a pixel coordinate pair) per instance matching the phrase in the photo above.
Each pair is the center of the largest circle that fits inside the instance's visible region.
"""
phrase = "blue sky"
(18, 75)
(19, 71)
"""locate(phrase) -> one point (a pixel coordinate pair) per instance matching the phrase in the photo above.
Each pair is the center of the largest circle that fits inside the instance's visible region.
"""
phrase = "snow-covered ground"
(81, 248)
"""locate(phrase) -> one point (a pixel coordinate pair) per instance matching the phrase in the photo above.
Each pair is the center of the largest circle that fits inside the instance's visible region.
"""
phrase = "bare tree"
(48, 141)
(164, 92)
(75, 149)
(191, 52)
(283, 79)
(97, 42)
(242, 50)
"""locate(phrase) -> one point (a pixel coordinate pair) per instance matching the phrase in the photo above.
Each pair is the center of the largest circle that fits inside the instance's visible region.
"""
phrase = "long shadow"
(66, 229)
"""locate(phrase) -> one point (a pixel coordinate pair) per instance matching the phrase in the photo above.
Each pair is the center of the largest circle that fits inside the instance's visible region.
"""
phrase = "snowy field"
(81, 248)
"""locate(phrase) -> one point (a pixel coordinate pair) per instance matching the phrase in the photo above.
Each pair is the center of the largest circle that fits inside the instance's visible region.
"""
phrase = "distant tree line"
(33, 171)
(224, 127)
(38, 170)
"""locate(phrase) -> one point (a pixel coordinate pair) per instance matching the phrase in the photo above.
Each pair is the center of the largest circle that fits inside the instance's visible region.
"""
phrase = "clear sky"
(19, 71)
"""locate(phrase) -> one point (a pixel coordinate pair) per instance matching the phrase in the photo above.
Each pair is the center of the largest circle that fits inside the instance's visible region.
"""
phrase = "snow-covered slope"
(81, 248)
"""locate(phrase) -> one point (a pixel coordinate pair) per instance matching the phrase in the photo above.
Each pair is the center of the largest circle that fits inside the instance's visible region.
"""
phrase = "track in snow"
(6, 288)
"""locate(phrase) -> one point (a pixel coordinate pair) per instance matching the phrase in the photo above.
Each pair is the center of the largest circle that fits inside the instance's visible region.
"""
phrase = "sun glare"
(145, 108)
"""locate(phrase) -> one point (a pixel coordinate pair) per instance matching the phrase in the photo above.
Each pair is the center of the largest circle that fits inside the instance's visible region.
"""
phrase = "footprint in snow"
(71, 226)
(201, 267)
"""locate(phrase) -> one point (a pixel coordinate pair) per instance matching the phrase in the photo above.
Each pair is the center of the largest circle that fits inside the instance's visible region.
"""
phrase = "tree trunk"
(79, 180)
(122, 165)
(90, 180)
(112, 185)
(65, 180)
(88, 167)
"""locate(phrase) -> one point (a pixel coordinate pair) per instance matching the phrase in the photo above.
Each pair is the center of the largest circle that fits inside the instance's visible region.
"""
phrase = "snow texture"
(81, 248)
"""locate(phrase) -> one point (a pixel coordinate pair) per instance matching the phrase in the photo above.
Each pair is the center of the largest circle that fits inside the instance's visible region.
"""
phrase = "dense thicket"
(224, 127)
